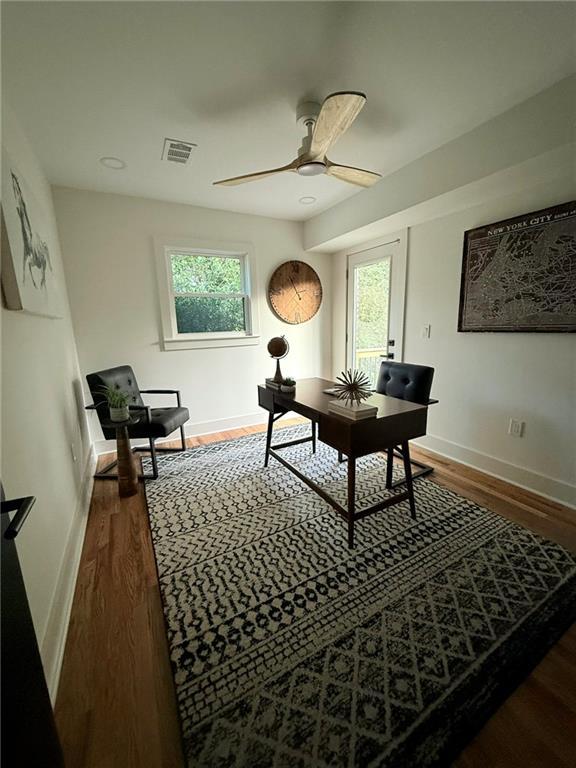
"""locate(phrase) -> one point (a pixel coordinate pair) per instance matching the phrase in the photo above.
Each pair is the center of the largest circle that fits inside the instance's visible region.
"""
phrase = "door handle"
(22, 507)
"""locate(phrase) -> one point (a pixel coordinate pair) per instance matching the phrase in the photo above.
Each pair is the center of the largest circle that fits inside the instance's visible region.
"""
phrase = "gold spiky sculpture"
(354, 387)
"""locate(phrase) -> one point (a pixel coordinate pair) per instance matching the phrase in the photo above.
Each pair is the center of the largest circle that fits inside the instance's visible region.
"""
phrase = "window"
(209, 295)
(207, 298)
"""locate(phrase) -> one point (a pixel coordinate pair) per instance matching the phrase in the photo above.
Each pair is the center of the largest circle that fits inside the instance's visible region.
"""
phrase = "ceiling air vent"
(177, 151)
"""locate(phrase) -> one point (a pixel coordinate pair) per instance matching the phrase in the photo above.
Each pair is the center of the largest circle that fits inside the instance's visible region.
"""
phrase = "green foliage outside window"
(193, 273)
(372, 305)
(371, 316)
(204, 314)
(202, 274)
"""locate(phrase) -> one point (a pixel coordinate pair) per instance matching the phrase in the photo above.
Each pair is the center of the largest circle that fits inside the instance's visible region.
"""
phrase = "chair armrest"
(162, 392)
(142, 408)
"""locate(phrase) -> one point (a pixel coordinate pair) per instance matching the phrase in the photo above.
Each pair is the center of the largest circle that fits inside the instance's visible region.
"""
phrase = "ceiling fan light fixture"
(312, 168)
(324, 125)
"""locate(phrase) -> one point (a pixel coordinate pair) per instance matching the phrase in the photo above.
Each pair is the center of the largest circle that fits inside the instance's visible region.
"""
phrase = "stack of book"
(356, 412)
(272, 384)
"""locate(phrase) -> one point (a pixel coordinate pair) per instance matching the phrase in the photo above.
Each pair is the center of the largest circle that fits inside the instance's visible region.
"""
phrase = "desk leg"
(313, 437)
(127, 475)
(269, 438)
(389, 466)
(409, 483)
(351, 499)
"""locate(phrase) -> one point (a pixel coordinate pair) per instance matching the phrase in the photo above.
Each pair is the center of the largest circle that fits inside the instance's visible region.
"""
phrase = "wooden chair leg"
(409, 483)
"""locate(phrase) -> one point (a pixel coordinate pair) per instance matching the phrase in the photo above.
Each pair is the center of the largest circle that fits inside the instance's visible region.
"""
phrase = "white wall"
(43, 429)
(483, 379)
(107, 242)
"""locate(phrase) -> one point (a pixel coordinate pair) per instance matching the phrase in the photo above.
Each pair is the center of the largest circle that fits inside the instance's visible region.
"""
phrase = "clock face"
(295, 292)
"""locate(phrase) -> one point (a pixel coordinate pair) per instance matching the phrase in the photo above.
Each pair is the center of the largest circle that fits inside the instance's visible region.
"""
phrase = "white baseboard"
(192, 430)
(550, 487)
(54, 640)
(221, 425)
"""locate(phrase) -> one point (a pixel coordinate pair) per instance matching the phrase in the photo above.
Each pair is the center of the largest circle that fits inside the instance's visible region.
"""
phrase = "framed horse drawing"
(28, 252)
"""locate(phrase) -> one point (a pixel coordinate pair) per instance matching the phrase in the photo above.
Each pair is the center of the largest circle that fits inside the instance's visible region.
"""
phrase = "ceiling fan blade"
(337, 114)
(352, 175)
(254, 176)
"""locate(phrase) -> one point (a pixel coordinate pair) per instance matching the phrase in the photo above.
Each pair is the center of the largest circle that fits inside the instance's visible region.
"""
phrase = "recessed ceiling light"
(113, 162)
(307, 200)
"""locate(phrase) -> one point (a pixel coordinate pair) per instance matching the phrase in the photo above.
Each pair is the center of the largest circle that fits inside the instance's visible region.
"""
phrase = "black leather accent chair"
(407, 382)
(154, 422)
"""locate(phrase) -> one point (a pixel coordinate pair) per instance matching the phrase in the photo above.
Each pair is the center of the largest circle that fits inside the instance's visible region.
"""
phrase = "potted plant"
(288, 385)
(117, 401)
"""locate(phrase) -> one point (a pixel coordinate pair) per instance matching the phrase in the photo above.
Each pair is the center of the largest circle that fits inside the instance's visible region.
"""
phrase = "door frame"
(396, 247)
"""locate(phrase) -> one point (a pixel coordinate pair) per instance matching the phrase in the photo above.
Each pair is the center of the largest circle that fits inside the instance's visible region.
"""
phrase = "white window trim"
(171, 339)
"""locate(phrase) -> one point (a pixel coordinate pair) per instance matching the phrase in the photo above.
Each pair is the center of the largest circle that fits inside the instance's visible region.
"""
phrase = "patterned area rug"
(289, 649)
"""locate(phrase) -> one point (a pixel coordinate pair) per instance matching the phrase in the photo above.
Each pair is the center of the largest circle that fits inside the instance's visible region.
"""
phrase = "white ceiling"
(97, 79)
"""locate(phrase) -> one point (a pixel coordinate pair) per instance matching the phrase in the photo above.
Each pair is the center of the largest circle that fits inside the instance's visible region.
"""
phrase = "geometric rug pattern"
(290, 649)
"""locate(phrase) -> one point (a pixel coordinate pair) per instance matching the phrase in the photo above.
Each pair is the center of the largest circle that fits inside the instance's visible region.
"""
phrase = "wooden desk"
(397, 422)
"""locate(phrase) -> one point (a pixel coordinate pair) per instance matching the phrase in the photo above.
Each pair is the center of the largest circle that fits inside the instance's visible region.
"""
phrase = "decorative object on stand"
(295, 292)
(288, 385)
(117, 401)
(324, 124)
(351, 388)
(519, 275)
(278, 348)
(354, 387)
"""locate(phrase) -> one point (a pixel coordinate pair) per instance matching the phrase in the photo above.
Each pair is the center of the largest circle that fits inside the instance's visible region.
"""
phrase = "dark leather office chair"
(154, 422)
(407, 382)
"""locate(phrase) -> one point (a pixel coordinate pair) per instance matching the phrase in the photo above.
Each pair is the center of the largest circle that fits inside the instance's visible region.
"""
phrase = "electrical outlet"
(426, 331)
(516, 428)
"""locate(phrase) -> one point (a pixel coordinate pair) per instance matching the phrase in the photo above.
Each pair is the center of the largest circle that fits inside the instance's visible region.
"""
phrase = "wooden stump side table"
(127, 472)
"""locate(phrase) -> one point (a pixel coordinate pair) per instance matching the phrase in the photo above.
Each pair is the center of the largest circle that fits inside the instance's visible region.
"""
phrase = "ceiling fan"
(324, 125)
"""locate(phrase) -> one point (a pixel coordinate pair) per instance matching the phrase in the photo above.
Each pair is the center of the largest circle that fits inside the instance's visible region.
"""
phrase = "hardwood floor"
(116, 706)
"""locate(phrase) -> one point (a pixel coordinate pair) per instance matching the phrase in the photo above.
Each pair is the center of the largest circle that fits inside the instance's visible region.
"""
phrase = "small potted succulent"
(288, 385)
(117, 401)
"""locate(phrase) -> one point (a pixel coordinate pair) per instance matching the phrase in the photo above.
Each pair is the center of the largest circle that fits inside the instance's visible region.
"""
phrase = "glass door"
(376, 282)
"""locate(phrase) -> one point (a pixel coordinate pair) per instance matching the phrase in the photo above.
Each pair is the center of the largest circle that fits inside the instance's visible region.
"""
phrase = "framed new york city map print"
(520, 274)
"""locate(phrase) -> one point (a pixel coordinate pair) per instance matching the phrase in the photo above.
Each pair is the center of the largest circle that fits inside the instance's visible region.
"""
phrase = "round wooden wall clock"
(295, 292)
